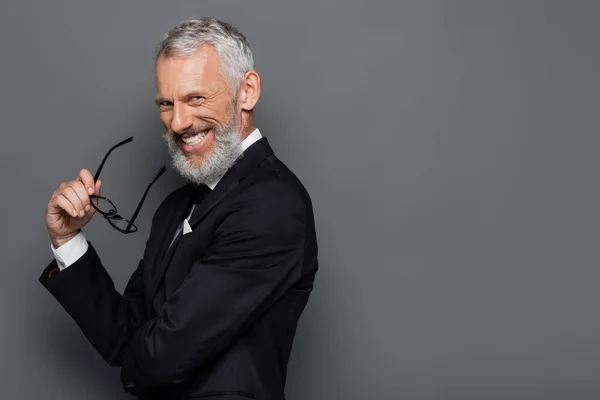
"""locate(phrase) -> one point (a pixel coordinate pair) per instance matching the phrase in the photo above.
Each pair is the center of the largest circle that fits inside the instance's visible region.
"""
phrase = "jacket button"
(129, 385)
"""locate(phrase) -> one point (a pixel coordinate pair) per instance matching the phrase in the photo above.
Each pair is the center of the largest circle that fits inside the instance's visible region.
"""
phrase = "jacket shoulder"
(273, 179)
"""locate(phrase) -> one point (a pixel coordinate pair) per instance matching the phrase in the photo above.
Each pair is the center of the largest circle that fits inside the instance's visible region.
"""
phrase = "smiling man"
(212, 308)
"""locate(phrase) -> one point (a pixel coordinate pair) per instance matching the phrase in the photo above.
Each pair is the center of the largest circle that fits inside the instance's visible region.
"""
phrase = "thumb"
(98, 186)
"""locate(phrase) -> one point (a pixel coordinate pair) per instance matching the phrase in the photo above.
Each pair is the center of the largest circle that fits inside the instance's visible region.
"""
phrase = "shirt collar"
(247, 142)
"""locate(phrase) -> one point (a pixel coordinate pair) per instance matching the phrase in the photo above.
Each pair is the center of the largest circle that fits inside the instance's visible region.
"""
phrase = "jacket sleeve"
(86, 291)
(256, 256)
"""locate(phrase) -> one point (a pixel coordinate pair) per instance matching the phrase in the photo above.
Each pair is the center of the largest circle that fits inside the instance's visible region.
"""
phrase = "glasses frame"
(112, 215)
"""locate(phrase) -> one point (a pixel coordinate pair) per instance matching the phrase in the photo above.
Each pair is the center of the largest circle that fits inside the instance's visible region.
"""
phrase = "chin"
(197, 158)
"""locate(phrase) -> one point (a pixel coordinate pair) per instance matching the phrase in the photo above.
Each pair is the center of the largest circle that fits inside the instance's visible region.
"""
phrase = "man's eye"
(165, 104)
(196, 98)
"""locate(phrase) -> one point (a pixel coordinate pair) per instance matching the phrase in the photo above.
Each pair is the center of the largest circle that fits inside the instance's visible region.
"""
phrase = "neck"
(247, 125)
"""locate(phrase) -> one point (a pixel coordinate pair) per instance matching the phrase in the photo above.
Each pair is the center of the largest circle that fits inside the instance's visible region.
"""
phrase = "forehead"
(200, 71)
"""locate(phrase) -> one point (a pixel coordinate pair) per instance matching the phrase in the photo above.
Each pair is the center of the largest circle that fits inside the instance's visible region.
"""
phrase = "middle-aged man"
(212, 308)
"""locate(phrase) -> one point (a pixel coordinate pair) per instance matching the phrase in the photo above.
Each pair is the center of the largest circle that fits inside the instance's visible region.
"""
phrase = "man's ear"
(249, 91)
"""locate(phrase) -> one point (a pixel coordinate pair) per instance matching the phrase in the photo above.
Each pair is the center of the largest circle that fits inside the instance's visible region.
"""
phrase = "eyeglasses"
(106, 207)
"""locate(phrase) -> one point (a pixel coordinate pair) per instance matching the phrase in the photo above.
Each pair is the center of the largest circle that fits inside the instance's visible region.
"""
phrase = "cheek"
(216, 112)
(166, 118)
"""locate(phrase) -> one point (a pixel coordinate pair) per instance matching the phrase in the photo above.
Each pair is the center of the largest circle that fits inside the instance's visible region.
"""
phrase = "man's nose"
(182, 119)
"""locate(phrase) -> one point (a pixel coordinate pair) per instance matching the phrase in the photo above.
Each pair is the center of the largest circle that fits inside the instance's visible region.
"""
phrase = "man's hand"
(69, 208)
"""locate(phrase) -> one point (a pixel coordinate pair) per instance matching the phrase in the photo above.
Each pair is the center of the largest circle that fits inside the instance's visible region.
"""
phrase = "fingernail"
(74, 212)
(87, 208)
(81, 213)
(91, 190)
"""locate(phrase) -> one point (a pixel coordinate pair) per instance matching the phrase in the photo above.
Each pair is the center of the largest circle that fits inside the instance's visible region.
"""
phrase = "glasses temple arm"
(139, 207)
(129, 139)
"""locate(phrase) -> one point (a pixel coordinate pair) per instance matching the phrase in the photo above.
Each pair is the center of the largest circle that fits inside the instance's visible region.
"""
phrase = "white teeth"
(192, 140)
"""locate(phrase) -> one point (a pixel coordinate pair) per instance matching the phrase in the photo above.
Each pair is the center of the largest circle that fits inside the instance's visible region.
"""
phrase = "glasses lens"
(121, 223)
(104, 205)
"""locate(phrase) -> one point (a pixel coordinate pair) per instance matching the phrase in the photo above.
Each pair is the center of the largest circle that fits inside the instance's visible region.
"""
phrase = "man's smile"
(195, 142)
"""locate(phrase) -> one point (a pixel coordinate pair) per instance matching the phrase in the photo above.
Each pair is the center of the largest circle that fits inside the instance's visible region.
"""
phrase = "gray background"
(450, 148)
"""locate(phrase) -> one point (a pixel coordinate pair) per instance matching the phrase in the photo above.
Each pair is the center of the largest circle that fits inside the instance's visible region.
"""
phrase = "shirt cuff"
(70, 252)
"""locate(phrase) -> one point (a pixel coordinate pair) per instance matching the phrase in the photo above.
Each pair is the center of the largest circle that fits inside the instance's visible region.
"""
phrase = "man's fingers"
(74, 196)
(70, 194)
(86, 178)
(82, 194)
(62, 202)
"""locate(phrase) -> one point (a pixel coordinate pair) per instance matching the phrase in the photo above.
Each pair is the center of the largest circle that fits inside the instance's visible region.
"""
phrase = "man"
(212, 308)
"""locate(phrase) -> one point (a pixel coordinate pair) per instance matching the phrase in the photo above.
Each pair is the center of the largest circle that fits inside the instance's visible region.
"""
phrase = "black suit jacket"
(216, 315)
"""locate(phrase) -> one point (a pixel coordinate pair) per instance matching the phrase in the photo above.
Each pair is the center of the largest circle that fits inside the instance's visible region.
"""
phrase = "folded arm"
(257, 254)
(86, 291)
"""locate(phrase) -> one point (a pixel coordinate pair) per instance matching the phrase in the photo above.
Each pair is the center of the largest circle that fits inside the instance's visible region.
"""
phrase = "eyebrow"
(159, 100)
(199, 93)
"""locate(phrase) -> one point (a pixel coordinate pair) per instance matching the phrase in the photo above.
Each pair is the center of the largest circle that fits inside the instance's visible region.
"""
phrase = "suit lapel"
(177, 214)
(226, 185)
(250, 160)
(209, 202)
(171, 220)
(252, 157)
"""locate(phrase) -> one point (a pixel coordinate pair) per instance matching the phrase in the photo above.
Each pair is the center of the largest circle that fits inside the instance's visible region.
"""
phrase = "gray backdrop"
(450, 148)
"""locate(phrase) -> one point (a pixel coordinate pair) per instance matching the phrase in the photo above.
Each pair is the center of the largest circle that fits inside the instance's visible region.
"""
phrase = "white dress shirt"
(71, 251)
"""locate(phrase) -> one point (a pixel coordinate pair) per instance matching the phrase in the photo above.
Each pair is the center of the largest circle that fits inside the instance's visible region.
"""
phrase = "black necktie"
(200, 193)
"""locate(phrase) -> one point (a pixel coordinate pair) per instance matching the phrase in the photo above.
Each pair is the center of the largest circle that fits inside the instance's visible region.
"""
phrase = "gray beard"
(224, 154)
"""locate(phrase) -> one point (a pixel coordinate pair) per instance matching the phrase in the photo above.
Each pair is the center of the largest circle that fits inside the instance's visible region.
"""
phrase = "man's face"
(198, 112)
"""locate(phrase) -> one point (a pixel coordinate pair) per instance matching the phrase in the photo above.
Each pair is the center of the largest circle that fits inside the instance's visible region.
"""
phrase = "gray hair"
(231, 46)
